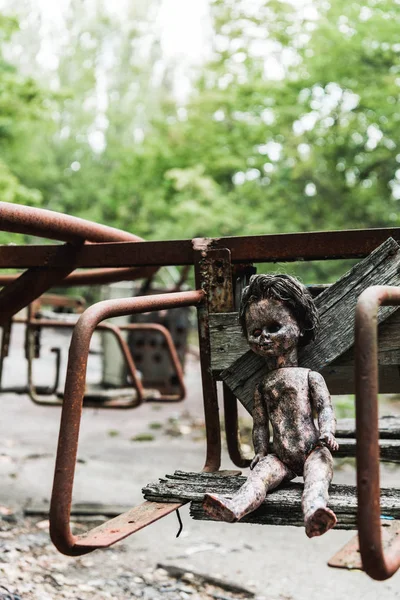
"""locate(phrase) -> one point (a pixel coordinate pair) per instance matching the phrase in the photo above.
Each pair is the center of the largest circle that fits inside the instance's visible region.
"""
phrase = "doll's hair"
(290, 291)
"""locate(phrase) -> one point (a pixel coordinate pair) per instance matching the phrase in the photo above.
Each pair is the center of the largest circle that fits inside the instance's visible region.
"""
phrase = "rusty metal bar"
(52, 225)
(38, 399)
(43, 399)
(120, 527)
(115, 330)
(77, 303)
(92, 276)
(232, 429)
(205, 278)
(5, 345)
(377, 562)
(57, 226)
(284, 247)
(60, 508)
(34, 282)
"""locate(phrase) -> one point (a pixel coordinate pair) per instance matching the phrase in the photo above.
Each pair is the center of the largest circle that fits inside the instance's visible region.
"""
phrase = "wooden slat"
(389, 428)
(337, 308)
(228, 343)
(281, 507)
(389, 449)
(336, 305)
(226, 339)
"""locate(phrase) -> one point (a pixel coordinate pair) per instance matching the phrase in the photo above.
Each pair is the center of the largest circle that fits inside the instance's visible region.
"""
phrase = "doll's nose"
(265, 335)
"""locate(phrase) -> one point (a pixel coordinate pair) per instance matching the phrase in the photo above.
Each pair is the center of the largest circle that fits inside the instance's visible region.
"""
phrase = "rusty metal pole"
(34, 282)
(130, 364)
(60, 508)
(376, 562)
(52, 225)
(113, 329)
(240, 277)
(232, 429)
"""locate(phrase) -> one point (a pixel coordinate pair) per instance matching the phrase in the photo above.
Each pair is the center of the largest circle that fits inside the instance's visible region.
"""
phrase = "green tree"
(20, 103)
(292, 126)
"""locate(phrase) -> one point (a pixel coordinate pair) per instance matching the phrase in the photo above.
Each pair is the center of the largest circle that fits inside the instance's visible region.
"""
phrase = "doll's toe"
(217, 507)
(320, 522)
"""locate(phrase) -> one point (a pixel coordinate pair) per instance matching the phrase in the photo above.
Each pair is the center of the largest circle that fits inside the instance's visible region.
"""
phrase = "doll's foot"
(218, 508)
(320, 522)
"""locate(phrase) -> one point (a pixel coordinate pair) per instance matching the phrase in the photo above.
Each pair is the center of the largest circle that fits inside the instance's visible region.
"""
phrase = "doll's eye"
(257, 332)
(274, 328)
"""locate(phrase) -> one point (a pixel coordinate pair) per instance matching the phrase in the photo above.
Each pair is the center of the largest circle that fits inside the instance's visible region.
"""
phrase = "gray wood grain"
(336, 305)
(281, 507)
(389, 428)
(228, 343)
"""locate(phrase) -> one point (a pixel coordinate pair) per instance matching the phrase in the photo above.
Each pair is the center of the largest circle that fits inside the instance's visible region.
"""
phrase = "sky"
(184, 33)
(182, 26)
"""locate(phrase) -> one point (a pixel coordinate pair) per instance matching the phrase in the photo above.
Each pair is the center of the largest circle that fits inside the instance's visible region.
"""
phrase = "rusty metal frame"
(49, 399)
(57, 266)
(44, 399)
(232, 429)
(283, 247)
(60, 509)
(78, 303)
(377, 562)
(114, 251)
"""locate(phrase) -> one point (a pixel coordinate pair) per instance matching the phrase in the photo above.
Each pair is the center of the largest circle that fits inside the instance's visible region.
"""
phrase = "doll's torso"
(287, 396)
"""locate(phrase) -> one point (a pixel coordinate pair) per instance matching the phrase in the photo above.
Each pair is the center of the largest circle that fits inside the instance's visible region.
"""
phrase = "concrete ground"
(277, 563)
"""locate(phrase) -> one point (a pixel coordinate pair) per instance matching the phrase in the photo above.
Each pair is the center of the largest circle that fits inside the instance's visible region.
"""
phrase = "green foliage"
(20, 103)
(292, 125)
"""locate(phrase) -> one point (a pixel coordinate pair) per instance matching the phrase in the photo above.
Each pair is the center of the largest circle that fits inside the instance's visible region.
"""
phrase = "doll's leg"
(318, 473)
(268, 473)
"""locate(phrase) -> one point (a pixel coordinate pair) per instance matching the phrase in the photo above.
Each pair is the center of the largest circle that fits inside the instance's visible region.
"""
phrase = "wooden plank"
(340, 380)
(228, 343)
(389, 449)
(337, 307)
(226, 340)
(389, 428)
(281, 507)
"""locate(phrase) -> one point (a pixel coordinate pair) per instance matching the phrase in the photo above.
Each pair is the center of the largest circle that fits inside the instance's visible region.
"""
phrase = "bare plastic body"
(286, 399)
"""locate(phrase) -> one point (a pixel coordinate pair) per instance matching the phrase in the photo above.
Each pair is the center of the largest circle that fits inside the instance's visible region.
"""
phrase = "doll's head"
(277, 314)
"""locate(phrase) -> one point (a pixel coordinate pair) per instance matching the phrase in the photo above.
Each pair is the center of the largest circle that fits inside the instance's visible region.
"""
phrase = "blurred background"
(177, 119)
(174, 119)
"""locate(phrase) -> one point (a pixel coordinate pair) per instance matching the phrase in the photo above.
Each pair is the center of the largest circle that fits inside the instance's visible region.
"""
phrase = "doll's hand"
(256, 459)
(329, 440)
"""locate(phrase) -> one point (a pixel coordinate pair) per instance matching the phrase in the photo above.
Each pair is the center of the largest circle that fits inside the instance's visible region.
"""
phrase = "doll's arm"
(260, 428)
(323, 405)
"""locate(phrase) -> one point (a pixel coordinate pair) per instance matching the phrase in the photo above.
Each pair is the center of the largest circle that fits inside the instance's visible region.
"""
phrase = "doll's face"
(271, 328)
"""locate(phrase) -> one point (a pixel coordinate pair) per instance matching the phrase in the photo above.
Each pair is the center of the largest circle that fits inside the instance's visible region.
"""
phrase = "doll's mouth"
(266, 346)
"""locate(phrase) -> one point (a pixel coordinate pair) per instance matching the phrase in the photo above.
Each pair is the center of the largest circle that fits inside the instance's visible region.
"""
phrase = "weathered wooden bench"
(222, 267)
(333, 355)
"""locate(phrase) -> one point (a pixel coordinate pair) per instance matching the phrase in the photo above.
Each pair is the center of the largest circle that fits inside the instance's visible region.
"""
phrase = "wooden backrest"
(332, 352)
(228, 344)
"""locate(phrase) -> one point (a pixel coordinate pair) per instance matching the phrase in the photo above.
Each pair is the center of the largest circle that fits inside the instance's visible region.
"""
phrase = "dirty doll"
(277, 315)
